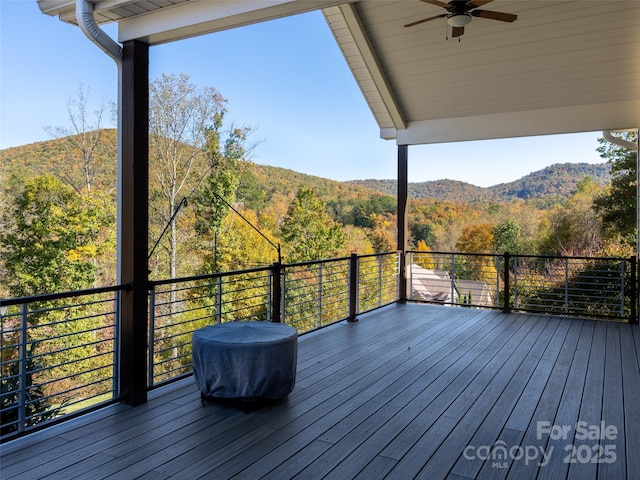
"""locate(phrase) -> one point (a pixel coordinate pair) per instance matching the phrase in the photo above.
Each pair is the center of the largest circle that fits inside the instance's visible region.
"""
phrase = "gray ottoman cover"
(245, 360)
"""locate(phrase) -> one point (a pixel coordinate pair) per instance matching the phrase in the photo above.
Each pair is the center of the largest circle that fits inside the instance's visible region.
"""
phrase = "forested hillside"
(559, 180)
(550, 211)
(261, 182)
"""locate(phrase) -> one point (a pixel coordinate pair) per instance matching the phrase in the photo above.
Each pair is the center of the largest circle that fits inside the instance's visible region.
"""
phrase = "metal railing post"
(410, 279)
(269, 295)
(320, 295)
(633, 316)
(276, 292)
(398, 279)
(496, 263)
(22, 369)
(453, 279)
(506, 308)
(379, 259)
(219, 300)
(152, 334)
(353, 288)
(115, 384)
(566, 285)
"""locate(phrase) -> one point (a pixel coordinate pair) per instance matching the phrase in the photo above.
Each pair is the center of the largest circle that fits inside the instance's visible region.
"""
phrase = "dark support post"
(633, 315)
(353, 288)
(135, 220)
(276, 293)
(635, 300)
(506, 308)
(403, 215)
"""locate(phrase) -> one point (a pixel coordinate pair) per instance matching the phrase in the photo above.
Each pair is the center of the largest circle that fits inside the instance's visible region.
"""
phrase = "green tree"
(49, 241)
(575, 229)
(618, 206)
(506, 236)
(219, 187)
(307, 230)
(180, 117)
(38, 408)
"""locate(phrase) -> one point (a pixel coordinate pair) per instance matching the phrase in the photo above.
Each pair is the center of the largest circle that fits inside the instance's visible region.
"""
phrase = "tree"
(423, 258)
(85, 143)
(240, 246)
(219, 187)
(180, 118)
(38, 407)
(575, 229)
(618, 206)
(506, 236)
(382, 233)
(50, 240)
(476, 239)
(307, 230)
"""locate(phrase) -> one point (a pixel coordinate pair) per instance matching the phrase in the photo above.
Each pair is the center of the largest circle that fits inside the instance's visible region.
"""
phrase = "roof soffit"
(563, 66)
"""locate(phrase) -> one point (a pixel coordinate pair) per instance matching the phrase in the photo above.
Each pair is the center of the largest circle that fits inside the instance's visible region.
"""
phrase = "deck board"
(402, 394)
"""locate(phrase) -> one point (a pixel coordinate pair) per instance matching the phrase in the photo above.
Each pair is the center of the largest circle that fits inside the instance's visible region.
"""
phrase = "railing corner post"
(633, 315)
(353, 288)
(276, 293)
(506, 308)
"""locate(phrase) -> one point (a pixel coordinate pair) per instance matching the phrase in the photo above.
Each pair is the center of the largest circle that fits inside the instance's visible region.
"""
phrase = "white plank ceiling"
(563, 66)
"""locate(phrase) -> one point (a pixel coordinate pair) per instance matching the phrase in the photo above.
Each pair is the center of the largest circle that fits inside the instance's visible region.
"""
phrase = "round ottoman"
(245, 360)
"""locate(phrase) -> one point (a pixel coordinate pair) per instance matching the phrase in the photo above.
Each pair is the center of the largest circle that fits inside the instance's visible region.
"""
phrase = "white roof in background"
(562, 67)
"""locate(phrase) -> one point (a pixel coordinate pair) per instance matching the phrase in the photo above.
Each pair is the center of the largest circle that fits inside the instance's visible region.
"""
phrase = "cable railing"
(306, 295)
(59, 353)
(581, 286)
(58, 356)
(178, 307)
(378, 281)
(316, 293)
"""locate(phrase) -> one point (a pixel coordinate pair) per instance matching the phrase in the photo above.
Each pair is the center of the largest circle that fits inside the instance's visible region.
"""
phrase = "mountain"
(260, 182)
(558, 180)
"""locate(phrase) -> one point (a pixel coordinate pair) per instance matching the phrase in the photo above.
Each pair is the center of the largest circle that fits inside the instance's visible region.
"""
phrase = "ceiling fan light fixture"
(459, 20)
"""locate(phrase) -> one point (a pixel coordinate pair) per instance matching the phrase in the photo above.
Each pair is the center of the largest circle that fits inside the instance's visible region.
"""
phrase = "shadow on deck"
(408, 391)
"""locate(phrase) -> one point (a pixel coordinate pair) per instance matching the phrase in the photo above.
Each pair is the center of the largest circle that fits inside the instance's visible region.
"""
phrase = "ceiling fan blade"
(436, 2)
(425, 20)
(476, 3)
(503, 17)
(457, 32)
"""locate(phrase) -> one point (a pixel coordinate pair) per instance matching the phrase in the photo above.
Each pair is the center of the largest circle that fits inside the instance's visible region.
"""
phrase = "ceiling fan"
(461, 12)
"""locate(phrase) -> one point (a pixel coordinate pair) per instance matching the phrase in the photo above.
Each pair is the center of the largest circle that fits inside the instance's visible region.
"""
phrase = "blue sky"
(286, 78)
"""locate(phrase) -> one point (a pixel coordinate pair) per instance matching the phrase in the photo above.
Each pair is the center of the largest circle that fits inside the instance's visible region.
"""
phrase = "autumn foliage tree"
(218, 188)
(86, 143)
(180, 116)
(477, 239)
(618, 205)
(307, 231)
(49, 242)
(422, 256)
(575, 228)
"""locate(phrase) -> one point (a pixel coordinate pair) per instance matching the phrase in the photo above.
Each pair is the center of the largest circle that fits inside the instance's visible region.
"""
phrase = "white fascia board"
(200, 17)
(368, 56)
(550, 121)
(58, 8)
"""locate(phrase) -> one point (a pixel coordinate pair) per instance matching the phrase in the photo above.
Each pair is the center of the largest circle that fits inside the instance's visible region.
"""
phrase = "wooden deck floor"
(408, 391)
